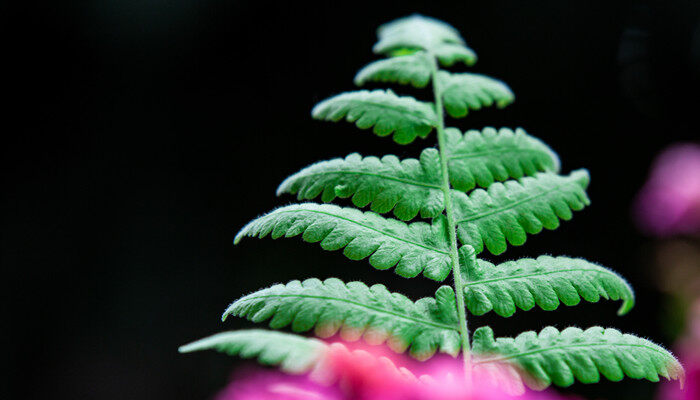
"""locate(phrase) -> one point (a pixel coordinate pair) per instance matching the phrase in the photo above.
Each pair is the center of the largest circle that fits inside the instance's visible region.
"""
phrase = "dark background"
(140, 135)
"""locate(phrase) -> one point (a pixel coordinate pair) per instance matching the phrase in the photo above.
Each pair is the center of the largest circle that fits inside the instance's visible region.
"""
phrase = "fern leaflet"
(448, 54)
(464, 92)
(479, 158)
(561, 357)
(388, 113)
(508, 211)
(544, 281)
(414, 248)
(373, 313)
(406, 186)
(411, 69)
(294, 354)
(415, 32)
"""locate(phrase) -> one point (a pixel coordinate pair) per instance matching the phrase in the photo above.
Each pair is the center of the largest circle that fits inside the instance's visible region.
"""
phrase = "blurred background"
(140, 135)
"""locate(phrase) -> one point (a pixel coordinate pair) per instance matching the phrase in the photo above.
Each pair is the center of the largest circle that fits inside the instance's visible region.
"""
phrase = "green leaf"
(451, 53)
(411, 69)
(507, 212)
(294, 354)
(544, 281)
(388, 113)
(412, 248)
(464, 92)
(373, 313)
(480, 158)
(415, 31)
(407, 187)
(561, 357)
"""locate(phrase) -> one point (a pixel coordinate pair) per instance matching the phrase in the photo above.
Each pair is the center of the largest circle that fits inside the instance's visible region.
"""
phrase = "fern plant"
(476, 192)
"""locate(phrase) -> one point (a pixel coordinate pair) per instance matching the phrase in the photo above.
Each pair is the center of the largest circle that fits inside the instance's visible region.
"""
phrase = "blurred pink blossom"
(363, 375)
(669, 202)
(688, 349)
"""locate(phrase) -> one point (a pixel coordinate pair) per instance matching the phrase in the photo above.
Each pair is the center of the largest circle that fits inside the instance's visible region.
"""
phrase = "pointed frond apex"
(407, 187)
(545, 281)
(404, 116)
(479, 158)
(293, 354)
(507, 212)
(413, 69)
(411, 248)
(415, 32)
(464, 92)
(560, 358)
(356, 311)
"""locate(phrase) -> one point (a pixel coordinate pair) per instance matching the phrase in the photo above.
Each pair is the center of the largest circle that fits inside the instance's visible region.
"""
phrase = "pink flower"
(669, 203)
(688, 348)
(366, 375)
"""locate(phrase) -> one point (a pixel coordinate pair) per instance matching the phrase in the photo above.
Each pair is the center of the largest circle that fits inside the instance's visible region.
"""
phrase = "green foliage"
(481, 158)
(413, 69)
(405, 186)
(411, 248)
(388, 113)
(478, 190)
(373, 313)
(416, 32)
(464, 92)
(574, 354)
(544, 281)
(507, 212)
(294, 354)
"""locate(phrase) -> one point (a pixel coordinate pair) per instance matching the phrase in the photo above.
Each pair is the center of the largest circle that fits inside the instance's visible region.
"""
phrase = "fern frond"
(561, 357)
(481, 158)
(464, 92)
(388, 113)
(412, 248)
(406, 186)
(411, 69)
(544, 281)
(294, 354)
(507, 212)
(415, 32)
(373, 313)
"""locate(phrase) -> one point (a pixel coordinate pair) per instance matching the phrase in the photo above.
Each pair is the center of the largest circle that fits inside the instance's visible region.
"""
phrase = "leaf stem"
(451, 226)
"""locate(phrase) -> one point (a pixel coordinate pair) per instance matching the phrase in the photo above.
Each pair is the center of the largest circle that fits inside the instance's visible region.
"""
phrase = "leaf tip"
(627, 305)
(582, 177)
(188, 348)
